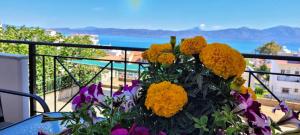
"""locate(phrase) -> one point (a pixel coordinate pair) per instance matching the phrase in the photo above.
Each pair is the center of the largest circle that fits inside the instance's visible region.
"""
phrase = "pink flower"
(134, 130)
(120, 131)
(139, 130)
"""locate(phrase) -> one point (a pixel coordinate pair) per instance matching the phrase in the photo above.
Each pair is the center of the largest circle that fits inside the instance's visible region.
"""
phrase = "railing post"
(139, 71)
(54, 81)
(111, 77)
(44, 78)
(125, 68)
(249, 79)
(32, 76)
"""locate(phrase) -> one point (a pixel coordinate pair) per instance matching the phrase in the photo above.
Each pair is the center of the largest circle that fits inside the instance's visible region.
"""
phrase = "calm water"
(142, 42)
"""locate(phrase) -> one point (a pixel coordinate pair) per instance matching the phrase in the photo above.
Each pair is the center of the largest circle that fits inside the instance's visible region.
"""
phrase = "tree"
(38, 34)
(269, 48)
(264, 68)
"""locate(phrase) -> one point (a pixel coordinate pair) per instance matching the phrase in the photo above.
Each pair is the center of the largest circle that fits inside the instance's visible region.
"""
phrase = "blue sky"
(151, 14)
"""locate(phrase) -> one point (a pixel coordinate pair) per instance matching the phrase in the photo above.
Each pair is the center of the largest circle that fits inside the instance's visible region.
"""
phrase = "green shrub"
(259, 90)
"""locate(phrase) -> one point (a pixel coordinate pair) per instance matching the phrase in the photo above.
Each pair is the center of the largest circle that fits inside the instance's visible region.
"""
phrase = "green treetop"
(269, 48)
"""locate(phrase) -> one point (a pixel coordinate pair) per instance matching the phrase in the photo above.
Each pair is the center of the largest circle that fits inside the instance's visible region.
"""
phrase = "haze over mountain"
(283, 34)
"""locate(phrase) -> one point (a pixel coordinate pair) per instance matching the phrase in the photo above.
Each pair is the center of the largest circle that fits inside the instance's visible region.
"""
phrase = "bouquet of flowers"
(189, 89)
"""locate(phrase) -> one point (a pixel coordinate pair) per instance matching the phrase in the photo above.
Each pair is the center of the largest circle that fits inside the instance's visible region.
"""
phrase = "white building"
(285, 87)
(51, 33)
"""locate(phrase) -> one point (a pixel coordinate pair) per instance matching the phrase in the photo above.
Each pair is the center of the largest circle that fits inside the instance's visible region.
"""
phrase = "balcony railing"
(109, 65)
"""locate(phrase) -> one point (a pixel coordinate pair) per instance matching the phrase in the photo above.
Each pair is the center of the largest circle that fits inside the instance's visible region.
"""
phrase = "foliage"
(226, 116)
(221, 119)
(259, 90)
(269, 48)
(38, 34)
(264, 68)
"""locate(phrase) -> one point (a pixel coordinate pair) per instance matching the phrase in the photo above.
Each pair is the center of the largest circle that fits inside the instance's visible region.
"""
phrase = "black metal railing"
(58, 60)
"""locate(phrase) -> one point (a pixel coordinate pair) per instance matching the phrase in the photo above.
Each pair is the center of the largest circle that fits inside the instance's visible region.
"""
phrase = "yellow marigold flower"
(245, 90)
(165, 99)
(192, 46)
(166, 58)
(156, 50)
(223, 60)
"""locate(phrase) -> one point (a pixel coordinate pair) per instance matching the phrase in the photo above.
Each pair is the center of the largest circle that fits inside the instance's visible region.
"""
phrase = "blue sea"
(144, 42)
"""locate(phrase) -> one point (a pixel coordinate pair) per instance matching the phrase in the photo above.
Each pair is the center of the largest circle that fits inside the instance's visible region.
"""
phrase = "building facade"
(285, 87)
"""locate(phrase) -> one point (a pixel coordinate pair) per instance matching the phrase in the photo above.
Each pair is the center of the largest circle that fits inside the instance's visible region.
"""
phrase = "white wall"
(14, 76)
(277, 85)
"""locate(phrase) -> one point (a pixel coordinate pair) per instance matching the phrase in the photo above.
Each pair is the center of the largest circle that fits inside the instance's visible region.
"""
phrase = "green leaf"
(231, 131)
(203, 119)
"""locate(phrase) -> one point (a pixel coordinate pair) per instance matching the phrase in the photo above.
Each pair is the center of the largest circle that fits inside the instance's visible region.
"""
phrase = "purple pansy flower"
(126, 97)
(77, 101)
(90, 94)
(290, 117)
(282, 106)
(98, 94)
(261, 124)
(250, 109)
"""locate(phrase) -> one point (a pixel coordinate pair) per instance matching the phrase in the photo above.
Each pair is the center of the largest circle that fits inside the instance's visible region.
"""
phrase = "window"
(288, 71)
(297, 72)
(282, 71)
(296, 90)
(285, 90)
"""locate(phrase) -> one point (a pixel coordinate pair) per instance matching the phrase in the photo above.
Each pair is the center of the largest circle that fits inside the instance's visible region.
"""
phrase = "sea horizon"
(244, 46)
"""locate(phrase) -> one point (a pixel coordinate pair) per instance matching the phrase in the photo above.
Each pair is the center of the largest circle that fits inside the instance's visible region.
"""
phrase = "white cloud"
(203, 26)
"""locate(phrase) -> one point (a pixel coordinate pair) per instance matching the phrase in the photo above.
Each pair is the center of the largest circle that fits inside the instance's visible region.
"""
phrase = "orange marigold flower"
(156, 50)
(145, 55)
(165, 99)
(223, 60)
(166, 58)
(192, 46)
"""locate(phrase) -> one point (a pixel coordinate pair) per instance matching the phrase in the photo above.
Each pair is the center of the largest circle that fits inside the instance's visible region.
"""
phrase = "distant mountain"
(283, 34)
